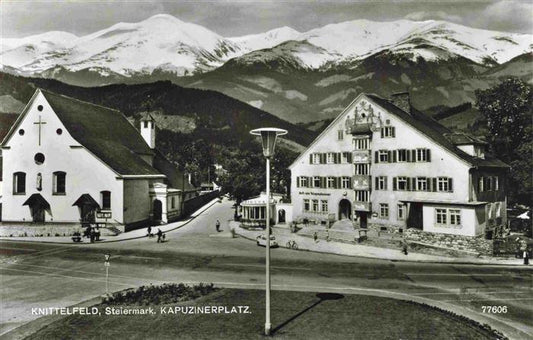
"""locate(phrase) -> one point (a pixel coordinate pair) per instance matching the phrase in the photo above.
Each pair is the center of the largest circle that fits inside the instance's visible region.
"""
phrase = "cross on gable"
(39, 123)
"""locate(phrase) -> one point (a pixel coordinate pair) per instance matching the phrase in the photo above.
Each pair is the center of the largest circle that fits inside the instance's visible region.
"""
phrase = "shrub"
(166, 293)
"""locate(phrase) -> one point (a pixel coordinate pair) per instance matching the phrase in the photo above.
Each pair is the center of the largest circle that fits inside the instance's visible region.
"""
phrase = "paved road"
(48, 275)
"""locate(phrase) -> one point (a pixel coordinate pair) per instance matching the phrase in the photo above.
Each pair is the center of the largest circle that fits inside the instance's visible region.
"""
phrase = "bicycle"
(292, 245)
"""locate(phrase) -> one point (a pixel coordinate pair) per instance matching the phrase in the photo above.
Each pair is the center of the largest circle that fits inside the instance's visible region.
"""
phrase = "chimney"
(401, 100)
(148, 130)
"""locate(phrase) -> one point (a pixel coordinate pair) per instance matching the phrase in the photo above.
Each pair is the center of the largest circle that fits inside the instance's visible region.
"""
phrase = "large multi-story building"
(383, 163)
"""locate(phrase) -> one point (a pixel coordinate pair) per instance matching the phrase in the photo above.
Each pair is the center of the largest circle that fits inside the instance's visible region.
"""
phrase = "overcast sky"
(232, 18)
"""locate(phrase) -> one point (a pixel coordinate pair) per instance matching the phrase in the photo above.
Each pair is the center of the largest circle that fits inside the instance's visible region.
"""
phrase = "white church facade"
(66, 161)
(383, 164)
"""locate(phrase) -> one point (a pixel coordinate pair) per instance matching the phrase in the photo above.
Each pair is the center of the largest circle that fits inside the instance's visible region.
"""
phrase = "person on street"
(97, 233)
(327, 235)
(159, 235)
(526, 257)
(149, 231)
(217, 225)
(315, 237)
(404, 246)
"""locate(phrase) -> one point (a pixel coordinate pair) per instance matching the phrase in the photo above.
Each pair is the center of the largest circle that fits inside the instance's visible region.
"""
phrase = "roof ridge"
(79, 100)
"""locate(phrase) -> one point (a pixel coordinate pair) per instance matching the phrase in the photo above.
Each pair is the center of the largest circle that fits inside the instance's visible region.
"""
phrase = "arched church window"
(106, 200)
(19, 183)
(39, 158)
(60, 183)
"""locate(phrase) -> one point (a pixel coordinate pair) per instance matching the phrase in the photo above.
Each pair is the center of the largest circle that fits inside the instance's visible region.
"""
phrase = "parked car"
(261, 241)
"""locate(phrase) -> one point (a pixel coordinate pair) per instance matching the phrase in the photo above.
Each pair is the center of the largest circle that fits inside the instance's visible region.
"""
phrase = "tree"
(508, 111)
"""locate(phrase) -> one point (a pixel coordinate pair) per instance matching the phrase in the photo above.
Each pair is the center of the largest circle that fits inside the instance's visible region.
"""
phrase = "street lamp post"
(268, 138)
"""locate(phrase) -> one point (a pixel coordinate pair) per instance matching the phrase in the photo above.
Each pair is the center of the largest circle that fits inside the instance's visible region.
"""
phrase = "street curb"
(401, 260)
(192, 218)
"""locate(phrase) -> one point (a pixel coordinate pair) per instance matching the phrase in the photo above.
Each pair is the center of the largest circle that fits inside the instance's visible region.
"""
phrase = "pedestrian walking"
(315, 237)
(217, 225)
(97, 233)
(159, 235)
(404, 246)
(526, 257)
(149, 230)
(327, 235)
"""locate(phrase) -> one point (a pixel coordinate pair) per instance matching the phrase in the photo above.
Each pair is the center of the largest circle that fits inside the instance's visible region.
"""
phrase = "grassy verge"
(295, 315)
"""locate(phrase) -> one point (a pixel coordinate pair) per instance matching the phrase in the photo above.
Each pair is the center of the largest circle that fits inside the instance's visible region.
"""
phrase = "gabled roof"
(423, 123)
(436, 131)
(104, 132)
(176, 179)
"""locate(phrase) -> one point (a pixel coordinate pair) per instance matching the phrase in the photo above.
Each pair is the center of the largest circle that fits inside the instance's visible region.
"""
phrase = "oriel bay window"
(59, 183)
(361, 143)
(361, 169)
(19, 183)
(361, 195)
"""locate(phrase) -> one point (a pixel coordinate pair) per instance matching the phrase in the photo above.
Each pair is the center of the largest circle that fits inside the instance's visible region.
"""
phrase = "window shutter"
(393, 131)
(349, 157)
(337, 158)
(377, 183)
(428, 155)
(376, 157)
(350, 186)
(434, 181)
(323, 182)
(298, 181)
(408, 184)
(407, 155)
(339, 185)
(389, 156)
(413, 183)
(322, 158)
(385, 181)
(310, 158)
(382, 132)
(413, 155)
(394, 156)
(394, 183)
(450, 184)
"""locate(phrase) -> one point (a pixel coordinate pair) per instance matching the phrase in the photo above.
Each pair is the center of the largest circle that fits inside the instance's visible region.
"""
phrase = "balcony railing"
(361, 157)
(362, 206)
(361, 182)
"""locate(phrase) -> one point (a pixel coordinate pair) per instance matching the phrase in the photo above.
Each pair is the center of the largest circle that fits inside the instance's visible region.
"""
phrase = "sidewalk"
(284, 235)
(130, 235)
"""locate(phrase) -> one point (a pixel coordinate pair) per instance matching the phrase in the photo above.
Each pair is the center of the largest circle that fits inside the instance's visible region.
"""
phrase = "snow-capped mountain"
(159, 42)
(163, 44)
(269, 39)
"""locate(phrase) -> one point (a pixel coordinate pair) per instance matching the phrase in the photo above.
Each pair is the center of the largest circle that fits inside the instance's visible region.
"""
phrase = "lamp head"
(268, 139)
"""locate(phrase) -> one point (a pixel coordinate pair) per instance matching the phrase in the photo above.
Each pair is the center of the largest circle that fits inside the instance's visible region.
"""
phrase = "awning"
(86, 199)
(36, 200)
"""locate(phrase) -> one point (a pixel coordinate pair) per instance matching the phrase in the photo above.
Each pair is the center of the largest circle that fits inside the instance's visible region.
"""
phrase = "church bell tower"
(148, 130)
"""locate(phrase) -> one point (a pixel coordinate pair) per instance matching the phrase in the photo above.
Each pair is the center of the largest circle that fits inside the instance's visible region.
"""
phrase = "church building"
(383, 164)
(67, 162)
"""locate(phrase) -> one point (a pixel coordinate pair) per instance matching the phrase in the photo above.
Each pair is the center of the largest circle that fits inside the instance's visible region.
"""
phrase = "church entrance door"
(87, 213)
(157, 210)
(38, 214)
(38, 206)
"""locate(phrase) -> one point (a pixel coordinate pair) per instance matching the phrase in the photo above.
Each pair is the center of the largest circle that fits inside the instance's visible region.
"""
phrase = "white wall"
(329, 142)
(85, 173)
(469, 221)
